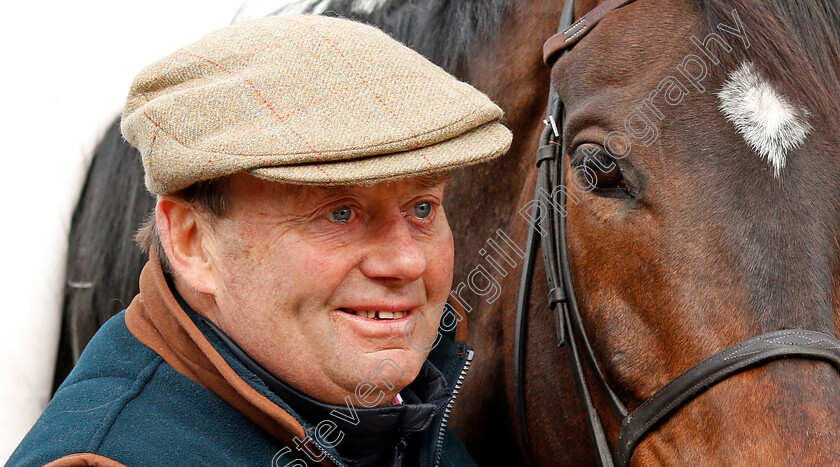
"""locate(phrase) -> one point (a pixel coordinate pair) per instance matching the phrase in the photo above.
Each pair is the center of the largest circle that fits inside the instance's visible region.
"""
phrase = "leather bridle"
(794, 343)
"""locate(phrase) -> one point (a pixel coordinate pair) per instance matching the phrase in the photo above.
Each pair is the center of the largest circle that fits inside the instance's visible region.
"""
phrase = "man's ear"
(182, 233)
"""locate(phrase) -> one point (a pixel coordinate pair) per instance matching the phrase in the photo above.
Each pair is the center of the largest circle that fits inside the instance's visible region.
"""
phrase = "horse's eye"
(598, 164)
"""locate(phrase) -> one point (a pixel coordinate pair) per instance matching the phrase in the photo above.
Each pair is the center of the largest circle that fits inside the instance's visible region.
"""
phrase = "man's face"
(299, 272)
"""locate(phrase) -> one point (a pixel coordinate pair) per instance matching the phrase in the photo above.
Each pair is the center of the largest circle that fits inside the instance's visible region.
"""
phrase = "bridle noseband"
(794, 343)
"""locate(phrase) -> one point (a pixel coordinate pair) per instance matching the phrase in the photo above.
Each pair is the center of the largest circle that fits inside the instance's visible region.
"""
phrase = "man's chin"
(388, 367)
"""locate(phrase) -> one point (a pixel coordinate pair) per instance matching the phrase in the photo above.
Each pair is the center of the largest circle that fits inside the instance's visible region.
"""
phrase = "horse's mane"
(795, 44)
(103, 262)
(444, 31)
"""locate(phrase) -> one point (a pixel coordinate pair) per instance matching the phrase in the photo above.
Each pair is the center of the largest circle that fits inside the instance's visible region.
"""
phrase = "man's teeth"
(374, 314)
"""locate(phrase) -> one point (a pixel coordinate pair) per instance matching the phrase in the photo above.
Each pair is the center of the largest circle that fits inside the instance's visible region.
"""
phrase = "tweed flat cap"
(308, 100)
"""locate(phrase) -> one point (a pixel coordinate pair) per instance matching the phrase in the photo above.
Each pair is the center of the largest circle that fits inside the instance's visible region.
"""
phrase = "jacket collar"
(156, 319)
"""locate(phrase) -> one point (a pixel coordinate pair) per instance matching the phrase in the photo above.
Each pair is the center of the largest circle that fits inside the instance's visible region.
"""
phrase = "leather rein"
(794, 343)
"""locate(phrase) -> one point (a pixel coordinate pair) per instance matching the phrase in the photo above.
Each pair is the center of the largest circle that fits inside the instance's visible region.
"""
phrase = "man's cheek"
(439, 279)
(317, 269)
(432, 325)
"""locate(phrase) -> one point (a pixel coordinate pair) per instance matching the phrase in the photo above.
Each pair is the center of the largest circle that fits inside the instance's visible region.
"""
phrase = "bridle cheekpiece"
(793, 343)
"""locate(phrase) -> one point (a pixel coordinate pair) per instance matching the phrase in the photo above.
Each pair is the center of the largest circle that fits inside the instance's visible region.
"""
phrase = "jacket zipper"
(448, 409)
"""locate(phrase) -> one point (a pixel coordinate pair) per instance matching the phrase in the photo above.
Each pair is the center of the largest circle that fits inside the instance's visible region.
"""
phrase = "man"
(300, 260)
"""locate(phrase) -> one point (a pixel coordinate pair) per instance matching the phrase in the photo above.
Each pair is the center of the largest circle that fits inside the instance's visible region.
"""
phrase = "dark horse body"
(708, 248)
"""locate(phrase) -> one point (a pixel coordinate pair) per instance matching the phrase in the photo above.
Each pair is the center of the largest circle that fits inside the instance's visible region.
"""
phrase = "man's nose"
(394, 253)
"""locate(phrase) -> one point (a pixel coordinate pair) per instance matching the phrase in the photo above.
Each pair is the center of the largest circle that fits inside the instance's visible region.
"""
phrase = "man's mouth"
(376, 314)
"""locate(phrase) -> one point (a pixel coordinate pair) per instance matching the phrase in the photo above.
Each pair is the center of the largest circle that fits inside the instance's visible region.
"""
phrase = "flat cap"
(308, 100)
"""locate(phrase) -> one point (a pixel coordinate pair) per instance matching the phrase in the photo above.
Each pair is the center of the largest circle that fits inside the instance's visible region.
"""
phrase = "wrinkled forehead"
(246, 189)
(420, 181)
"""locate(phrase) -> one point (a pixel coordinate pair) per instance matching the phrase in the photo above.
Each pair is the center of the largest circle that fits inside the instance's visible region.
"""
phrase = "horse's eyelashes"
(602, 170)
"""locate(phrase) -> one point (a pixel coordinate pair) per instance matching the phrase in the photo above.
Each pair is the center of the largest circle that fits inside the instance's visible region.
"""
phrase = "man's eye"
(341, 215)
(423, 210)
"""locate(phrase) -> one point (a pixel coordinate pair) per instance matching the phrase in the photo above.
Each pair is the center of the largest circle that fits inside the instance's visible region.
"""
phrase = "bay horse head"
(698, 208)
(714, 218)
